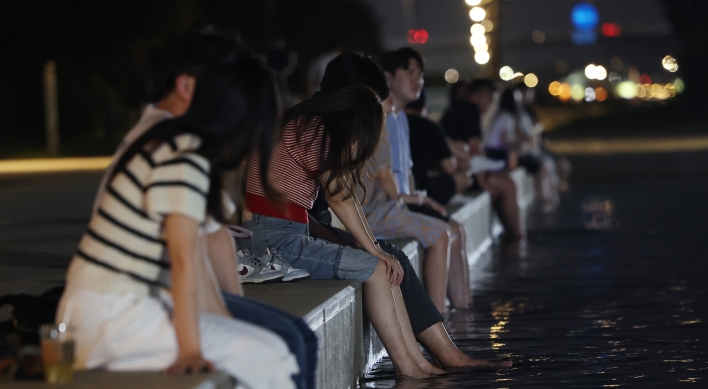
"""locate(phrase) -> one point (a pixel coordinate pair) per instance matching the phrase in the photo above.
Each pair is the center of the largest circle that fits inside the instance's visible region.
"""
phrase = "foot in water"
(411, 372)
(468, 362)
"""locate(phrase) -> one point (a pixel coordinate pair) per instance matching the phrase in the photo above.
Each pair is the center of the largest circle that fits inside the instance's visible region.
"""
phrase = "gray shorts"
(322, 259)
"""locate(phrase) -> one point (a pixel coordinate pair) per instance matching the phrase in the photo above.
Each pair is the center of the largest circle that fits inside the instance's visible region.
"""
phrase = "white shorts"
(127, 332)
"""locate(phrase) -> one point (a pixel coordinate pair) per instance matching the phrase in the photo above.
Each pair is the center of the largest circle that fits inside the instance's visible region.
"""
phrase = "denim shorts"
(322, 259)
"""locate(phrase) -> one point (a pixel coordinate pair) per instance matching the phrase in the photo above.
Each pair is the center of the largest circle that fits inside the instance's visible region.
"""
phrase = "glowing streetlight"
(506, 73)
(482, 57)
(478, 14)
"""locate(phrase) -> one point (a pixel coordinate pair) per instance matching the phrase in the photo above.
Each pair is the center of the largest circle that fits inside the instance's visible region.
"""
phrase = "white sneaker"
(480, 164)
(251, 270)
(279, 264)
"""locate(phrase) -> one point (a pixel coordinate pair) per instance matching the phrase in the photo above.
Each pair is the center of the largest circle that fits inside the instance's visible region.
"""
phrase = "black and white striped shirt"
(123, 249)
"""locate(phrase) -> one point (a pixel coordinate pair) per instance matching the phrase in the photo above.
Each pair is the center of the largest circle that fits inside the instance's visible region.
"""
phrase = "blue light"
(585, 16)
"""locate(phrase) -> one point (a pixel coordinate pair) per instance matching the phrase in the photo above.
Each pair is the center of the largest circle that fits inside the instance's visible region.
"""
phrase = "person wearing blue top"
(404, 70)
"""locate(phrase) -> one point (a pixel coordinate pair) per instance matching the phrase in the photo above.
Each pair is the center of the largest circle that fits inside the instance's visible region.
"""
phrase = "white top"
(123, 249)
(502, 131)
(151, 116)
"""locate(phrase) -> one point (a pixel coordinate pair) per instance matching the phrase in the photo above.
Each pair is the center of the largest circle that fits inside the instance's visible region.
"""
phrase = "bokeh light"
(565, 91)
(584, 16)
(680, 85)
(477, 29)
(601, 94)
(626, 90)
(644, 79)
(482, 47)
(670, 89)
(538, 37)
(614, 77)
(531, 80)
(611, 29)
(589, 94)
(517, 77)
(577, 92)
(473, 2)
(478, 40)
(481, 57)
(506, 73)
(554, 88)
(591, 71)
(452, 76)
(670, 63)
(600, 72)
(488, 25)
(478, 14)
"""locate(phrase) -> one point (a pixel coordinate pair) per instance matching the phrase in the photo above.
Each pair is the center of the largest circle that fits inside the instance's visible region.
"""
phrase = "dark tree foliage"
(104, 51)
(689, 19)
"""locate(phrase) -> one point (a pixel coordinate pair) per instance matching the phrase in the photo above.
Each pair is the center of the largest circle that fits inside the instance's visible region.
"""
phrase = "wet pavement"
(609, 291)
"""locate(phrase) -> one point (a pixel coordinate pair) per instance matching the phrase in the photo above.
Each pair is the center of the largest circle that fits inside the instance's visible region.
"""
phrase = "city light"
(538, 37)
(669, 63)
(488, 25)
(591, 71)
(680, 85)
(452, 76)
(482, 57)
(589, 94)
(478, 40)
(615, 77)
(600, 72)
(565, 91)
(554, 88)
(506, 73)
(626, 90)
(473, 2)
(611, 29)
(531, 80)
(482, 47)
(601, 94)
(577, 92)
(419, 36)
(584, 16)
(478, 14)
(477, 29)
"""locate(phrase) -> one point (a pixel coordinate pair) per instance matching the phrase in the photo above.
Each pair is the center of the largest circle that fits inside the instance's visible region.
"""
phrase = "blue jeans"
(322, 259)
(300, 339)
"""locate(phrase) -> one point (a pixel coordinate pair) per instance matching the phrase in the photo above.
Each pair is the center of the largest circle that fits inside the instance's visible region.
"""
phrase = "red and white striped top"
(295, 163)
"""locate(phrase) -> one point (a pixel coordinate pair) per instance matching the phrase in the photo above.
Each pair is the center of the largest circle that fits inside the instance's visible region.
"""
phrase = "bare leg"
(436, 340)
(503, 191)
(458, 289)
(408, 335)
(381, 309)
(435, 268)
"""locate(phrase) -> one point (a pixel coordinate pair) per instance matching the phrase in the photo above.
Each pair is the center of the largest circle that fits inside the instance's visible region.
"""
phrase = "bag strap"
(240, 232)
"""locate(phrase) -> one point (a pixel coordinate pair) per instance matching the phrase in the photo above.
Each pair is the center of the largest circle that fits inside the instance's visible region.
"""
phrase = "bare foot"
(412, 372)
(430, 368)
(480, 364)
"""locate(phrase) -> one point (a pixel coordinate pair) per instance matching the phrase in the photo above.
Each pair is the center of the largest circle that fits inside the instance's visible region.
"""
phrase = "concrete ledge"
(123, 380)
(333, 309)
(474, 212)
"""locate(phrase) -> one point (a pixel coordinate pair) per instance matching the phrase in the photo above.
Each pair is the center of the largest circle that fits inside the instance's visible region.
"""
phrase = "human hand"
(393, 267)
(191, 363)
(430, 203)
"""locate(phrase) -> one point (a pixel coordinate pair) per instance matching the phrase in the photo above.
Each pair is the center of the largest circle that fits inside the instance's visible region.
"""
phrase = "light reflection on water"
(594, 305)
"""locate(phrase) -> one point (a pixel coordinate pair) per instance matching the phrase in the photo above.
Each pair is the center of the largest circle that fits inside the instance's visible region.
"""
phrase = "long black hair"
(507, 101)
(350, 116)
(234, 111)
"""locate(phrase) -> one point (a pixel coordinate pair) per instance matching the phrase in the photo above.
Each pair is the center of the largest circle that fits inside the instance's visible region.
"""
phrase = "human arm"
(350, 213)
(222, 254)
(390, 187)
(181, 236)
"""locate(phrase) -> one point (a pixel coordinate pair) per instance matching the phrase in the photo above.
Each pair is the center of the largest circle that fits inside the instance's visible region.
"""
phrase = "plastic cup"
(57, 353)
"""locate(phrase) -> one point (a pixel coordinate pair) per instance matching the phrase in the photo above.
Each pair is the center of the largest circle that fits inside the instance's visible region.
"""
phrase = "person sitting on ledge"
(427, 324)
(141, 294)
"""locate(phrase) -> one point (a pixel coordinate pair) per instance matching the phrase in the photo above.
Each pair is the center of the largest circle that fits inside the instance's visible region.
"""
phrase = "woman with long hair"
(141, 293)
(325, 143)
